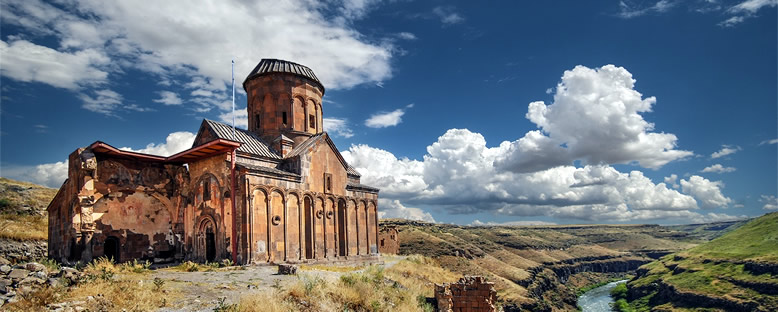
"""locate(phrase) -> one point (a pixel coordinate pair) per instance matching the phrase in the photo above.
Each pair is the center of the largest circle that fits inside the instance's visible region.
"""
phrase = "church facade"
(278, 192)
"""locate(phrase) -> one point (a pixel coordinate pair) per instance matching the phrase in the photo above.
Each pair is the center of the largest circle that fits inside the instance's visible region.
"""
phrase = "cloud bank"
(191, 48)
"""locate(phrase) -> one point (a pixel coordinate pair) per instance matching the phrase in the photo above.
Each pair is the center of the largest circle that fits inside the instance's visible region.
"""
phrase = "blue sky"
(463, 112)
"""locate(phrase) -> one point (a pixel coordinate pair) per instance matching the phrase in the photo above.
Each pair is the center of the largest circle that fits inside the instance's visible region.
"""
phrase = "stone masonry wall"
(469, 294)
(388, 241)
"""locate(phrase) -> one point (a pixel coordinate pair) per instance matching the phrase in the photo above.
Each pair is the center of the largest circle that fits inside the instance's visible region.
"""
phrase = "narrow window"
(312, 121)
(283, 117)
(327, 183)
(206, 190)
(256, 121)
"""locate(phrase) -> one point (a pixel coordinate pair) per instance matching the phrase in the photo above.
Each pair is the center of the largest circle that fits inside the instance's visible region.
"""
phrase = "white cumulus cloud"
(174, 143)
(707, 192)
(386, 119)
(337, 127)
(458, 175)
(770, 202)
(25, 61)
(718, 168)
(725, 150)
(168, 98)
(595, 118)
(95, 40)
(389, 209)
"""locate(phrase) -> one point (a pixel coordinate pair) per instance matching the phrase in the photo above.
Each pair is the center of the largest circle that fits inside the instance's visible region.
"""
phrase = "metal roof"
(252, 144)
(267, 66)
(361, 187)
(305, 145)
(270, 170)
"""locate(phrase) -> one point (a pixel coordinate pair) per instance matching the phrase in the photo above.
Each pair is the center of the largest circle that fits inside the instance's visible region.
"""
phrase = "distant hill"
(735, 272)
(704, 232)
(23, 197)
(23, 210)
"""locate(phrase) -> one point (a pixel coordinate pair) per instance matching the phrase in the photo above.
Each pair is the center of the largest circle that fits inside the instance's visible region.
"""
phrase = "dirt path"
(205, 291)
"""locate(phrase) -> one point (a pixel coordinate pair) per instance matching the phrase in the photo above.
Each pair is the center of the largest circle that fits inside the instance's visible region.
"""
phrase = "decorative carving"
(319, 214)
(276, 220)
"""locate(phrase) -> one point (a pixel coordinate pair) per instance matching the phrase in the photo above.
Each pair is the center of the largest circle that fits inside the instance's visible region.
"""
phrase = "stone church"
(279, 192)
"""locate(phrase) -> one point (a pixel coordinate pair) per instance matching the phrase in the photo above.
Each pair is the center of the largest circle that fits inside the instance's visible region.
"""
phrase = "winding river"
(598, 299)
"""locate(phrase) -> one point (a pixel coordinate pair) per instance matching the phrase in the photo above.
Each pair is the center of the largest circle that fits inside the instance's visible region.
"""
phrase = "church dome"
(269, 66)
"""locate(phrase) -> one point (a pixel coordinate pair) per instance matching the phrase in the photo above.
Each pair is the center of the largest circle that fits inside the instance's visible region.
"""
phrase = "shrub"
(619, 292)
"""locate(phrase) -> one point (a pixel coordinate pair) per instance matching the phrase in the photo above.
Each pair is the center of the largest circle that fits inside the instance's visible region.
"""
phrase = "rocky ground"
(203, 291)
(19, 251)
(23, 278)
(183, 291)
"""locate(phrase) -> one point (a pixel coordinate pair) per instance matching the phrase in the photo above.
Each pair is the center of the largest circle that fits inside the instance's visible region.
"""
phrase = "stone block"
(287, 269)
(18, 274)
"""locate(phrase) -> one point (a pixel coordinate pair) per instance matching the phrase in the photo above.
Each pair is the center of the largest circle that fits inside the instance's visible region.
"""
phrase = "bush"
(619, 292)
(621, 305)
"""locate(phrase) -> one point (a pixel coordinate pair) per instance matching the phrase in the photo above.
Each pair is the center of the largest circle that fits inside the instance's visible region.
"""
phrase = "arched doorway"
(342, 228)
(207, 240)
(111, 249)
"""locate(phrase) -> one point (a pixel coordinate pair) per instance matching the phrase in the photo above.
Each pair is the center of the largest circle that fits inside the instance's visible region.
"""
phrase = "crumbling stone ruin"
(469, 294)
(279, 192)
(388, 241)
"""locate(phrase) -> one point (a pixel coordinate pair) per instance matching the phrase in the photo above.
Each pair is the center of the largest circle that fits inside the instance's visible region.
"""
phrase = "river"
(598, 299)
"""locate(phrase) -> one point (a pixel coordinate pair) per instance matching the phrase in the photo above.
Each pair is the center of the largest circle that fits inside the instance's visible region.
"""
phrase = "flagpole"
(233, 99)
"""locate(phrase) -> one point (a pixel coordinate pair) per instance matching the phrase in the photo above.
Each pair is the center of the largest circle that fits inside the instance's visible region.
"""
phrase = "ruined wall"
(115, 207)
(389, 241)
(470, 293)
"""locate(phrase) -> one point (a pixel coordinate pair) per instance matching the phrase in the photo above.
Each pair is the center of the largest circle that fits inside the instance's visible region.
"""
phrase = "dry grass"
(111, 288)
(330, 268)
(23, 227)
(403, 287)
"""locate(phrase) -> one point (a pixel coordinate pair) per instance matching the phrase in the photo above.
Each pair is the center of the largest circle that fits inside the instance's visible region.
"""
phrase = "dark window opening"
(206, 190)
(75, 250)
(312, 121)
(382, 242)
(256, 121)
(111, 249)
(328, 183)
(283, 118)
(210, 246)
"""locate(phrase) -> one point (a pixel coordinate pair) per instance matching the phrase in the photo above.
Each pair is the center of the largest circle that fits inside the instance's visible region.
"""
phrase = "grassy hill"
(737, 271)
(23, 210)
(539, 268)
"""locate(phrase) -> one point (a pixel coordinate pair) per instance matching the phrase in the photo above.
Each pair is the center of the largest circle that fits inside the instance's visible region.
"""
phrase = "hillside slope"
(539, 268)
(737, 271)
(23, 210)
